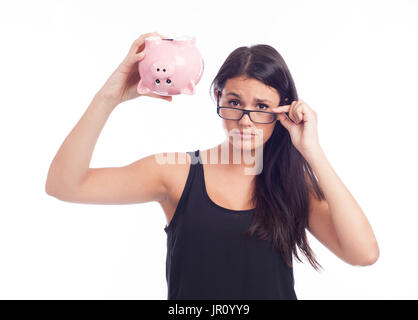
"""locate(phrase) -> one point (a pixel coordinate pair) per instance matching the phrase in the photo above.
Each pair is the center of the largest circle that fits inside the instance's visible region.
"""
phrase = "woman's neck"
(246, 162)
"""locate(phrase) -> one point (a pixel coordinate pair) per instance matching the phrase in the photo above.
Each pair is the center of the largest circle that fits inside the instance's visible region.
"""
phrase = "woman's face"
(241, 92)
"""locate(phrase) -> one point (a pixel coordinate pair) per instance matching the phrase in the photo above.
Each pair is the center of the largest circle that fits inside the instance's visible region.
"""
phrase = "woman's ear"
(217, 91)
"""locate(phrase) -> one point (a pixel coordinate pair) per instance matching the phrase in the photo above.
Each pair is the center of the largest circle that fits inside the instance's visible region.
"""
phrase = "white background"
(354, 62)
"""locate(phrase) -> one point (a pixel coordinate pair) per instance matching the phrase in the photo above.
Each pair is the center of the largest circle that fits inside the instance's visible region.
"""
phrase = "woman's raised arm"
(70, 176)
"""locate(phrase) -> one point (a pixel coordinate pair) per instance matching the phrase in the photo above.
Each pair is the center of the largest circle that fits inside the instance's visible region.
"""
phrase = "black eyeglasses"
(256, 116)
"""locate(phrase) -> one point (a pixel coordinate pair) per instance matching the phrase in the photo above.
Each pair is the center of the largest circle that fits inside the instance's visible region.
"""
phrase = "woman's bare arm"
(70, 176)
(71, 179)
(71, 163)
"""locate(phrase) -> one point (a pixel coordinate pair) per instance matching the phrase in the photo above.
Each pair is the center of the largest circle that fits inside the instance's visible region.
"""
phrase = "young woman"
(231, 234)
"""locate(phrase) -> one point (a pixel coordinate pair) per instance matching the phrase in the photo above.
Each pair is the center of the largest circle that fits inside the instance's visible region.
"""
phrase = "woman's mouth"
(246, 135)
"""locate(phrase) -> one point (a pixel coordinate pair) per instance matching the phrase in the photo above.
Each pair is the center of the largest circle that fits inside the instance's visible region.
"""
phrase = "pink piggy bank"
(170, 66)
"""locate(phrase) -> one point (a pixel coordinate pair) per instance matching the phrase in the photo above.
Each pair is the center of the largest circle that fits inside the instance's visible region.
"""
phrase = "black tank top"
(209, 258)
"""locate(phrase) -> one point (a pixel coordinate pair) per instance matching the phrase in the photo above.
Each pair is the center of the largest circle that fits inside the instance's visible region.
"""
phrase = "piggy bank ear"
(189, 89)
(192, 41)
(141, 89)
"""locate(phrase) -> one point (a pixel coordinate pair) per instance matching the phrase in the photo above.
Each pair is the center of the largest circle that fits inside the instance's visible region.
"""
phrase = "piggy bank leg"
(141, 89)
(189, 89)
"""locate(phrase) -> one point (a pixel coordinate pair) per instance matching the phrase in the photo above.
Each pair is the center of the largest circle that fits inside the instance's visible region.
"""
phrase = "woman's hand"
(303, 130)
(122, 84)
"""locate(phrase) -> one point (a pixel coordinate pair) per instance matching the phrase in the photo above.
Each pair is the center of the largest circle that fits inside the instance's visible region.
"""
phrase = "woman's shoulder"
(173, 160)
(175, 168)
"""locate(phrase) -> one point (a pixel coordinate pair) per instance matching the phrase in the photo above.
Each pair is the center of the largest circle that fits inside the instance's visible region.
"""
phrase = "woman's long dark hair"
(281, 190)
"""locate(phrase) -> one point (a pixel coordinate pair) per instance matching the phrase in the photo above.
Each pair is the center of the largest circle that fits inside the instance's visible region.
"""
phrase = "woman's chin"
(245, 145)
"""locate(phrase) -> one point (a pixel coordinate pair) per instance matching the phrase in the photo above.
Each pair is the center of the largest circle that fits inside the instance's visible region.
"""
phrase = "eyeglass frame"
(244, 112)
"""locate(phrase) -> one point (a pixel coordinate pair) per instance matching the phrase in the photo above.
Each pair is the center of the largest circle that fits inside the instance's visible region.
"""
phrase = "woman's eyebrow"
(255, 99)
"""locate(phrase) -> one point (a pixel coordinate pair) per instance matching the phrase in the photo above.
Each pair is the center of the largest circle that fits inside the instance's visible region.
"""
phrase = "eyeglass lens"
(235, 114)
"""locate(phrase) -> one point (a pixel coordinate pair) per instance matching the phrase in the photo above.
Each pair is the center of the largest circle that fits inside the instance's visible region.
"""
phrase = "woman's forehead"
(249, 89)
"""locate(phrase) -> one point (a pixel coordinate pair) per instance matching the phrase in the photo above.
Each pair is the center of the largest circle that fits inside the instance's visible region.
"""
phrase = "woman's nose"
(245, 119)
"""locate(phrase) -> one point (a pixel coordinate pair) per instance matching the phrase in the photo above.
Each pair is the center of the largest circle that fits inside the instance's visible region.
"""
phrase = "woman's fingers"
(139, 43)
(281, 109)
(158, 96)
(292, 112)
(136, 53)
(295, 113)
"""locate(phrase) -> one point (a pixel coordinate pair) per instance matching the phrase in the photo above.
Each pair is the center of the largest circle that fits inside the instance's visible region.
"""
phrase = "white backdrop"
(354, 62)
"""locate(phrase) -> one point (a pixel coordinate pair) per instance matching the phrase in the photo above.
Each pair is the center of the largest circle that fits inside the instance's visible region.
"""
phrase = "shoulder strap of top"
(195, 157)
(197, 167)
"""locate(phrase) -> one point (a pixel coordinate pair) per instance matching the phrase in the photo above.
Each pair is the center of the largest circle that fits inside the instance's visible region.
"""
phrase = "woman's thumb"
(285, 121)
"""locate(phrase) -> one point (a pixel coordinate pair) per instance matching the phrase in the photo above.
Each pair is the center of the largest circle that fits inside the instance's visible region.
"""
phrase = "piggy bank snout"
(162, 69)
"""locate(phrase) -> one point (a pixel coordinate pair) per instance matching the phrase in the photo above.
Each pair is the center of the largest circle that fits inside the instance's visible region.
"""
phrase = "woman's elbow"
(370, 258)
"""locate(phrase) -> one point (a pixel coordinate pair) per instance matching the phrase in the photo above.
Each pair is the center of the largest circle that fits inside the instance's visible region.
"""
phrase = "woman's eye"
(263, 106)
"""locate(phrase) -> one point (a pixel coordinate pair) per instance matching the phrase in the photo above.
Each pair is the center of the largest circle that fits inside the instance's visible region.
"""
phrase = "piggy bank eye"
(168, 81)
(157, 81)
